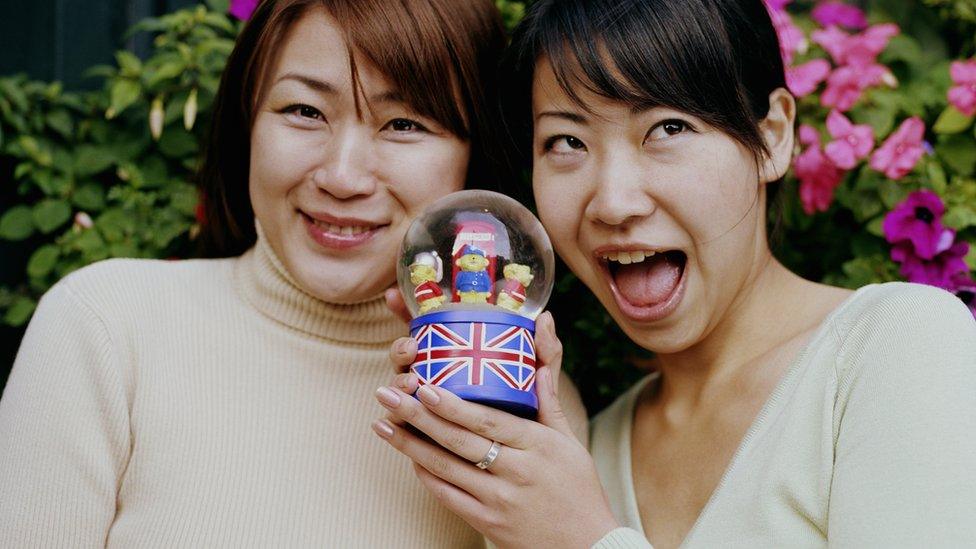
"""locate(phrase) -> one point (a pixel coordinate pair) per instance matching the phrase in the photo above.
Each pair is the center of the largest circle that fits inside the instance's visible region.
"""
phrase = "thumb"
(394, 302)
(550, 411)
(549, 349)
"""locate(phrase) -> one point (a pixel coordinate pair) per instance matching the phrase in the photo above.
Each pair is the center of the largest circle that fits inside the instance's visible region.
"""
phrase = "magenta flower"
(918, 220)
(837, 13)
(242, 9)
(777, 5)
(818, 178)
(791, 37)
(941, 271)
(851, 143)
(965, 290)
(899, 154)
(858, 50)
(846, 85)
(809, 135)
(802, 80)
(963, 95)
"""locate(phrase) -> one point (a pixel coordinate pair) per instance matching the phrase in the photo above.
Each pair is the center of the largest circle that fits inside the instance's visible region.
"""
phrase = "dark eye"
(666, 129)
(305, 111)
(403, 125)
(564, 144)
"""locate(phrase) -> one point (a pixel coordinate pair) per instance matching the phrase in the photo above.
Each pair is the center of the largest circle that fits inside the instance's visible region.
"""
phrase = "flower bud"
(83, 221)
(190, 110)
(156, 118)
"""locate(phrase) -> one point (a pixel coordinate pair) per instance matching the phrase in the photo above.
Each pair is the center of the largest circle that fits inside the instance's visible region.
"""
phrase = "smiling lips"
(339, 233)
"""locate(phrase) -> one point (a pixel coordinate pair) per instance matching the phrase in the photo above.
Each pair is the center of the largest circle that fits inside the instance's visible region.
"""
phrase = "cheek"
(560, 205)
(277, 164)
(421, 173)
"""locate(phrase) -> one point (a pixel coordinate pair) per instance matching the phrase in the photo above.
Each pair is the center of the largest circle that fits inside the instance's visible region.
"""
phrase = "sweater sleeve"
(64, 429)
(904, 423)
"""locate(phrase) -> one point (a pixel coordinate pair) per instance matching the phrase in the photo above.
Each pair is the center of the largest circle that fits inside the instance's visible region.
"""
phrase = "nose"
(348, 163)
(622, 193)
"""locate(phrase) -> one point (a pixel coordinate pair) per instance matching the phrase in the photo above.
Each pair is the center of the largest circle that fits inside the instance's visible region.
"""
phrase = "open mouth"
(647, 285)
(339, 234)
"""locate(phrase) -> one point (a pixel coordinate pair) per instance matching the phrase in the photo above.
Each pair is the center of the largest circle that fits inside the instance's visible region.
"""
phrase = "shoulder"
(886, 318)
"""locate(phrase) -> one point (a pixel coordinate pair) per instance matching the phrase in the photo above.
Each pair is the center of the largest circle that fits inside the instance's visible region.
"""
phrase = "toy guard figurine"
(425, 272)
(512, 294)
(472, 283)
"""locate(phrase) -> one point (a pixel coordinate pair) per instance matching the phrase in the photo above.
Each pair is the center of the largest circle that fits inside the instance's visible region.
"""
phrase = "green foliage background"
(108, 173)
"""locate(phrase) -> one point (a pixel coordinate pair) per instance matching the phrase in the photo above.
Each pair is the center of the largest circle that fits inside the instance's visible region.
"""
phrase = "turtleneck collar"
(263, 281)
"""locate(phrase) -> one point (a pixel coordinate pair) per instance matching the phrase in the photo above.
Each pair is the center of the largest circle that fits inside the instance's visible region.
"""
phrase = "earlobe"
(778, 134)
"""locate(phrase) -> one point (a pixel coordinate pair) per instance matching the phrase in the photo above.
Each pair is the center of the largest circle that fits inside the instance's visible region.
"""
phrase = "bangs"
(650, 53)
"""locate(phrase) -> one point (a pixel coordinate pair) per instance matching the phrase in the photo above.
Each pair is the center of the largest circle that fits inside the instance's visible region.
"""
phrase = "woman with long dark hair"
(782, 412)
(222, 402)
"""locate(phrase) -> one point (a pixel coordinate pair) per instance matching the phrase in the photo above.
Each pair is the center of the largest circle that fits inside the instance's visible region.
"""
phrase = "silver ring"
(489, 458)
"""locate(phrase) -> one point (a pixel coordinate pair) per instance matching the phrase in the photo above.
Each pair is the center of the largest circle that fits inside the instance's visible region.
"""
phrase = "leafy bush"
(107, 174)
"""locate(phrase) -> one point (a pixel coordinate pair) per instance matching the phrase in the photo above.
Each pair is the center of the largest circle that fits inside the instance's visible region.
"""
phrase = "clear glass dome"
(476, 250)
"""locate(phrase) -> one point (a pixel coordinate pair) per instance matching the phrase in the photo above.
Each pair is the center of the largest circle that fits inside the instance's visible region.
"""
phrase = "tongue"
(649, 282)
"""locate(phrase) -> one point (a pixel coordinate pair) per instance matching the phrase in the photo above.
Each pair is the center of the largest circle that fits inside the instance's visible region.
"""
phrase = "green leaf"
(166, 71)
(91, 159)
(177, 143)
(960, 217)
(971, 258)
(936, 176)
(19, 311)
(43, 261)
(875, 226)
(17, 223)
(952, 121)
(892, 193)
(124, 92)
(50, 214)
(15, 94)
(129, 63)
(958, 152)
(89, 197)
(115, 224)
(60, 121)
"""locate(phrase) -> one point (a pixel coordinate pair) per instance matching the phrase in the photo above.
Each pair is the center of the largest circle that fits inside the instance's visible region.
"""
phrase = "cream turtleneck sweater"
(207, 403)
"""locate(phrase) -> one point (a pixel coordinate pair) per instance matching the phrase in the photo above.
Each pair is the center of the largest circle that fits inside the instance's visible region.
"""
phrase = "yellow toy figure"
(472, 283)
(425, 273)
(512, 294)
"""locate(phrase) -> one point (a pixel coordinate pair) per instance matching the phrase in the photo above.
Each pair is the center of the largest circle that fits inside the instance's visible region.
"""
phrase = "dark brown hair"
(441, 54)
(718, 60)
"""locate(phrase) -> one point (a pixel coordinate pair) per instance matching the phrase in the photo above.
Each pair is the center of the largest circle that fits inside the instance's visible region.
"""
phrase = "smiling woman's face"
(660, 215)
(334, 190)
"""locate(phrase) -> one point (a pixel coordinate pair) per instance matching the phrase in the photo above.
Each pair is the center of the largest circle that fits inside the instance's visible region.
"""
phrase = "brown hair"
(423, 46)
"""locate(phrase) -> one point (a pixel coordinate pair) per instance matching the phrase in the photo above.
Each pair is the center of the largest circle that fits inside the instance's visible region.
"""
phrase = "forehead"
(548, 95)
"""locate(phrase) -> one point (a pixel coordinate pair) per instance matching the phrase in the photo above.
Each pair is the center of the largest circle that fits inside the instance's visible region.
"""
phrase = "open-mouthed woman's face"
(660, 215)
(333, 190)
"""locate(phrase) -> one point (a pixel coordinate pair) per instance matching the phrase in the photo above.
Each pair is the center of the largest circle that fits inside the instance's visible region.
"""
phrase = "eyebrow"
(392, 96)
(564, 115)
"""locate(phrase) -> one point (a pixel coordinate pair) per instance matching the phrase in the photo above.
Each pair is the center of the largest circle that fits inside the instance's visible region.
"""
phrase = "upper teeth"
(340, 229)
(626, 258)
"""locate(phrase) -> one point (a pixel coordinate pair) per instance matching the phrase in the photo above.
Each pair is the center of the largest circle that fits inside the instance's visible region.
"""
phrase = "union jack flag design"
(475, 353)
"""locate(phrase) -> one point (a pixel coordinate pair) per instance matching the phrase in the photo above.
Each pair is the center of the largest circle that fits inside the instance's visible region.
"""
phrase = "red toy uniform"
(514, 289)
(427, 290)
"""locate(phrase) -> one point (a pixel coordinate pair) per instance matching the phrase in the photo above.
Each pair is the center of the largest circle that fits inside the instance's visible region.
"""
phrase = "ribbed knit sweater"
(207, 403)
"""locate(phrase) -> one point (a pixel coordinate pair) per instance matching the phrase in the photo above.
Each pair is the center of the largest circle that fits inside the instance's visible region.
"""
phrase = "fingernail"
(401, 347)
(383, 428)
(387, 397)
(428, 395)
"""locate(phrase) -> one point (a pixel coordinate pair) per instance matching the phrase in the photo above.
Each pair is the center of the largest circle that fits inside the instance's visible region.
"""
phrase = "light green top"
(869, 440)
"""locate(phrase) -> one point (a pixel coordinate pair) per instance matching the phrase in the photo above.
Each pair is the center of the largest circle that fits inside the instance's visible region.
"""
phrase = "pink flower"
(846, 85)
(802, 80)
(791, 37)
(809, 135)
(818, 178)
(777, 5)
(918, 220)
(242, 9)
(858, 50)
(965, 290)
(899, 154)
(852, 143)
(942, 271)
(963, 95)
(837, 13)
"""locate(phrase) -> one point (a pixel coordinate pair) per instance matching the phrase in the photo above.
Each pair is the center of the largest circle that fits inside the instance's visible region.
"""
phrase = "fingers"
(548, 347)
(394, 302)
(458, 440)
(460, 502)
(408, 383)
(436, 460)
(550, 410)
(402, 353)
(490, 423)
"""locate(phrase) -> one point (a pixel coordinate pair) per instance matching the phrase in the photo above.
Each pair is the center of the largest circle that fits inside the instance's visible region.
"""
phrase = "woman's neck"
(767, 323)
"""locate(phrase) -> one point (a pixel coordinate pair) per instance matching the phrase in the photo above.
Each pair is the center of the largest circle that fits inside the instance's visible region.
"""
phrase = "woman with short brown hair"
(223, 401)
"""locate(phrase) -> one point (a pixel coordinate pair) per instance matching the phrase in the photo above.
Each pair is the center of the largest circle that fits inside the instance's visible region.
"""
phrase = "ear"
(778, 133)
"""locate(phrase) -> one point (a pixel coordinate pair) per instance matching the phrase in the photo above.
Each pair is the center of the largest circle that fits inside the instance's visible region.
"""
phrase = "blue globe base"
(486, 357)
